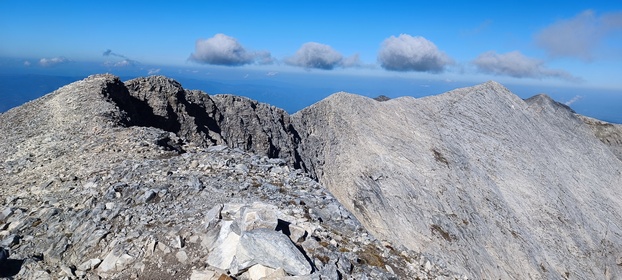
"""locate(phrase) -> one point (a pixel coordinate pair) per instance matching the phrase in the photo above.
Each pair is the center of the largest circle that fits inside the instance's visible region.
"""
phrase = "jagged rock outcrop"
(193, 116)
(161, 102)
(90, 189)
(477, 179)
(258, 127)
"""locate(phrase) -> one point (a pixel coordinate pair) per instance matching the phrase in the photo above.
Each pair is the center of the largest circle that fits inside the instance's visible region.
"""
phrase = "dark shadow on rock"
(10, 268)
(283, 226)
(202, 118)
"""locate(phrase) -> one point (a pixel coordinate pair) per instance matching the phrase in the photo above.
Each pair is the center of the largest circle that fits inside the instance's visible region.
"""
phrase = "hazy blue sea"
(292, 92)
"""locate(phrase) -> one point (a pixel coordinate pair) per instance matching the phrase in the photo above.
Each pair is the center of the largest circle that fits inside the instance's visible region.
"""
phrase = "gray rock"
(225, 247)
(271, 249)
(258, 216)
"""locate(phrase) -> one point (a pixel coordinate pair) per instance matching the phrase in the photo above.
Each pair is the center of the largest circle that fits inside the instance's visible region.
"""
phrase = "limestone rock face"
(476, 178)
(257, 127)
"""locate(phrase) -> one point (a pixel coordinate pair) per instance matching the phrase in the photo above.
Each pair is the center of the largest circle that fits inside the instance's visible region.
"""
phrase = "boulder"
(272, 249)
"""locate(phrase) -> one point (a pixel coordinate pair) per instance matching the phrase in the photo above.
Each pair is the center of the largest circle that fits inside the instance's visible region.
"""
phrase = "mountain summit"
(145, 179)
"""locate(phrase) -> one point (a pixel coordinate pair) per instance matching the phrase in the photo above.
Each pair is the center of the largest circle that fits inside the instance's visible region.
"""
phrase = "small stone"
(279, 273)
(7, 212)
(182, 257)
(65, 269)
(203, 275)
(258, 216)
(150, 247)
(296, 233)
(213, 216)
(10, 241)
(108, 264)
(259, 271)
(427, 266)
(148, 196)
(89, 265)
(162, 247)
(177, 242)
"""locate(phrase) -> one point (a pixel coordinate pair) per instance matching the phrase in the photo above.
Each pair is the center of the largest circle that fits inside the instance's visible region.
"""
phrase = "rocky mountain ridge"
(101, 180)
(504, 188)
(133, 180)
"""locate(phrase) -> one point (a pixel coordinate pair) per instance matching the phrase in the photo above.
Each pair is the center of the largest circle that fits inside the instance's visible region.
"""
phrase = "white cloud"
(579, 36)
(153, 71)
(408, 53)
(320, 56)
(27, 63)
(272, 73)
(49, 62)
(573, 100)
(517, 65)
(224, 50)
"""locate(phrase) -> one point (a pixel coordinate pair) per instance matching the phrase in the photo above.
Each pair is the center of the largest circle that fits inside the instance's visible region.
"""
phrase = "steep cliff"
(476, 178)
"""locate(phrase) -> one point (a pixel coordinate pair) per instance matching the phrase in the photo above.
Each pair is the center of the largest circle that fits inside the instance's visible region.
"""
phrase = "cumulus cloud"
(320, 56)
(578, 36)
(517, 65)
(408, 53)
(224, 50)
(49, 62)
(126, 61)
(27, 63)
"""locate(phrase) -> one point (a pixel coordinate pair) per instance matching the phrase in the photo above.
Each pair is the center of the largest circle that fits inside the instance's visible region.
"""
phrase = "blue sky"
(570, 44)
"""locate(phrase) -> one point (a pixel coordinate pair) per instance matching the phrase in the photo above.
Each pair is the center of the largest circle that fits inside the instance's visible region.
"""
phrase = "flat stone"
(258, 271)
(272, 249)
(203, 275)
